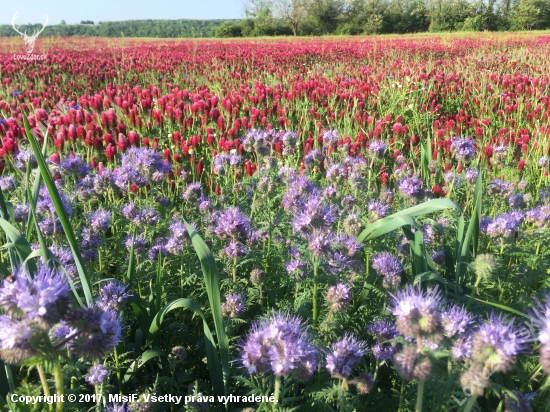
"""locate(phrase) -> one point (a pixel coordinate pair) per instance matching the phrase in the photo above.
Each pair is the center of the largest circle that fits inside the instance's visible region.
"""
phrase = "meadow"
(314, 224)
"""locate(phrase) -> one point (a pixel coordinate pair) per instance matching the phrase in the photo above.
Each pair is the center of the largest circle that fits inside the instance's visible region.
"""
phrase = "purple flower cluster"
(233, 305)
(338, 297)
(383, 331)
(377, 149)
(417, 312)
(388, 266)
(497, 343)
(463, 149)
(97, 375)
(411, 187)
(344, 355)
(113, 296)
(140, 166)
(280, 345)
(460, 326)
(505, 225)
(377, 210)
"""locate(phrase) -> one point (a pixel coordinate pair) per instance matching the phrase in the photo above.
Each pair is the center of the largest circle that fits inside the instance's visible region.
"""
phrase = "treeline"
(129, 28)
(351, 17)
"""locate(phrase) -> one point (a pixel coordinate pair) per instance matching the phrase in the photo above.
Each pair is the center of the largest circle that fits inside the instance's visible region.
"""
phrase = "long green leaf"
(5, 215)
(62, 214)
(132, 262)
(19, 242)
(379, 227)
(212, 356)
(501, 306)
(472, 234)
(36, 188)
(145, 357)
(211, 279)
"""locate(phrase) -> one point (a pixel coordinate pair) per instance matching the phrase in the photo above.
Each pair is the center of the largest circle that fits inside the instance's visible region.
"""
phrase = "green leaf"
(36, 188)
(389, 224)
(429, 276)
(144, 358)
(20, 244)
(4, 214)
(132, 263)
(501, 306)
(61, 213)
(212, 356)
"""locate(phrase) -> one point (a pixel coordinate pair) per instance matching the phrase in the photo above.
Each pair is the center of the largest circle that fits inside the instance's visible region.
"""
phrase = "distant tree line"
(130, 28)
(350, 17)
(320, 17)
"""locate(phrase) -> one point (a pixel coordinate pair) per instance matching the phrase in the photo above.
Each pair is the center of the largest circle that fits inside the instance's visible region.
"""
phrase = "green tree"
(531, 15)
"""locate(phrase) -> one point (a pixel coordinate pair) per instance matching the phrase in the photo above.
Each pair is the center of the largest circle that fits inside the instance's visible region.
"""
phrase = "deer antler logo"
(29, 40)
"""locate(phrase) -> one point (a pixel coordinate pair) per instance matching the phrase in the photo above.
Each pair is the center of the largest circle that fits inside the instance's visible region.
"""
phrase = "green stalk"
(44, 382)
(420, 396)
(315, 270)
(58, 374)
(470, 403)
(277, 390)
(342, 395)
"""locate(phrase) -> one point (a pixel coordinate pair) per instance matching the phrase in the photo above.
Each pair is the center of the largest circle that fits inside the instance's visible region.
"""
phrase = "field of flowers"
(299, 225)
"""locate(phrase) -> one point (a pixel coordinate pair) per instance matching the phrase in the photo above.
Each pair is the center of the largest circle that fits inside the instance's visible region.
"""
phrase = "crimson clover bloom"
(279, 344)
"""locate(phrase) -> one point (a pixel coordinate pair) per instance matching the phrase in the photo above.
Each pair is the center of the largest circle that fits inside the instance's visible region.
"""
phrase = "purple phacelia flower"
(344, 355)
(463, 149)
(417, 312)
(233, 305)
(338, 297)
(279, 344)
(96, 375)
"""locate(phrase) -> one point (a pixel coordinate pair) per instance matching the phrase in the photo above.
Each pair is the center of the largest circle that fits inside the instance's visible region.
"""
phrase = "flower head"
(497, 343)
(417, 312)
(344, 355)
(97, 375)
(279, 344)
(233, 305)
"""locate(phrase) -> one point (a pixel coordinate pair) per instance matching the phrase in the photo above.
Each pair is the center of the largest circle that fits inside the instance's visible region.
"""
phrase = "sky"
(32, 11)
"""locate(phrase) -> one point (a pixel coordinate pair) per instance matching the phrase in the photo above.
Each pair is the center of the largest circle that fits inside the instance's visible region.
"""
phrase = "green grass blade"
(211, 279)
(212, 356)
(62, 214)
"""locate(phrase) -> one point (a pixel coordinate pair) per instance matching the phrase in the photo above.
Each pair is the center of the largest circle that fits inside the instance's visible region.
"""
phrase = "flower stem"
(342, 395)
(315, 269)
(470, 403)
(58, 374)
(277, 390)
(44, 382)
(420, 396)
